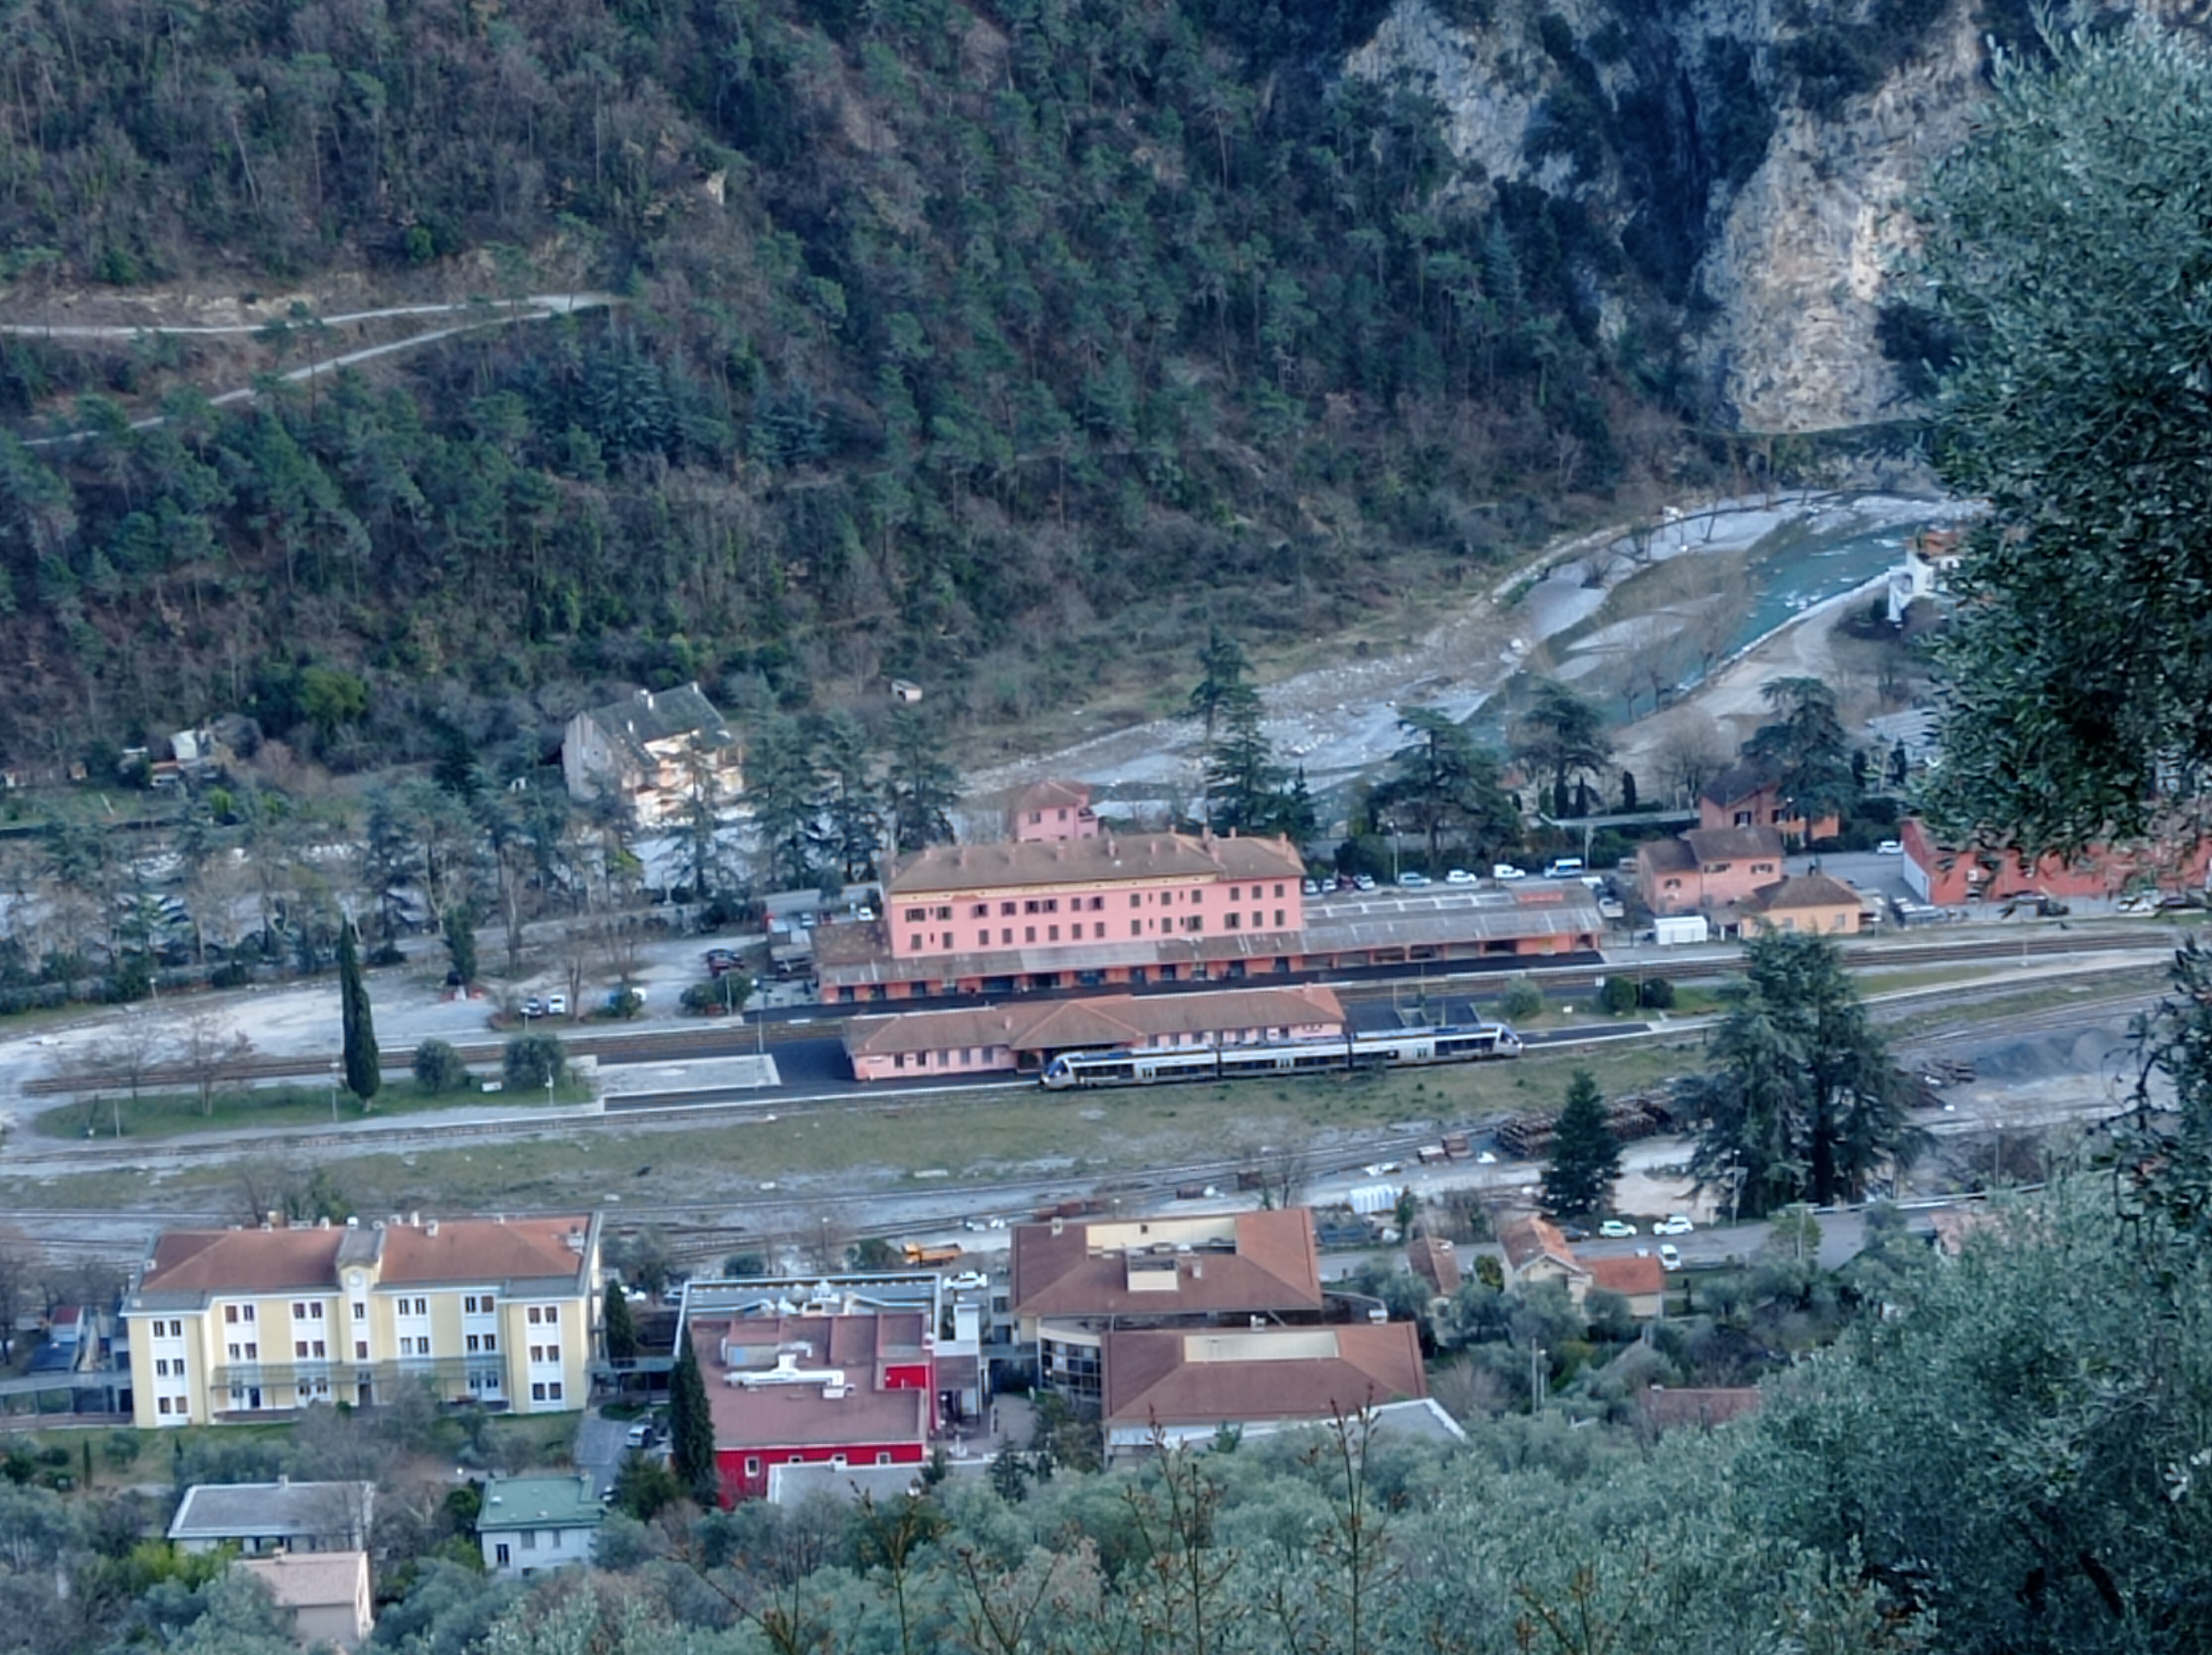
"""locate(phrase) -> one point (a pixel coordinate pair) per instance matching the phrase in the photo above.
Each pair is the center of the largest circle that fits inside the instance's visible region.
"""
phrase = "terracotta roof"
(1801, 891)
(1088, 861)
(1730, 844)
(1666, 1407)
(1436, 1263)
(311, 1579)
(242, 1260)
(1527, 1237)
(1053, 795)
(1668, 856)
(1738, 781)
(1270, 1262)
(1104, 1021)
(479, 1250)
(805, 1413)
(460, 1250)
(1173, 1377)
(1629, 1275)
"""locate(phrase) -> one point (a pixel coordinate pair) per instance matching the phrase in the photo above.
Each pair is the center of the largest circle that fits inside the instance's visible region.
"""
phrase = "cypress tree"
(691, 1428)
(1585, 1155)
(363, 1075)
(621, 1332)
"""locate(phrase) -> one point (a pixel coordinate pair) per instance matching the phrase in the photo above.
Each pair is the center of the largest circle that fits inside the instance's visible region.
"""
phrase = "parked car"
(1616, 1229)
(1890, 848)
(967, 1280)
(1564, 868)
(1670, 1257)
(1311, 887)
(1507, 871)
(1574, 1232)
(533, 1007)
(556, 1005)
(1675, 1223)
(639, 1435)
(1459, 876)
(1412, 881)
(1363, 881)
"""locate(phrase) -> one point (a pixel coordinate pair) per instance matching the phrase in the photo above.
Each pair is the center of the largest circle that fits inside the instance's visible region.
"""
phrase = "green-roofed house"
(533, 1523)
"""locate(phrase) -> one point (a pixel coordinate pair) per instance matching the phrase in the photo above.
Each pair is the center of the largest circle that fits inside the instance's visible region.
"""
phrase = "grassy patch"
(850, 1150)
(176, 1115)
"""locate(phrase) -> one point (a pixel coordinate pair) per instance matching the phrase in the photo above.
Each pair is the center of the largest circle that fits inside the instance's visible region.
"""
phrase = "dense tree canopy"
(1804, 1102)
(983, 345)
(2066, 257)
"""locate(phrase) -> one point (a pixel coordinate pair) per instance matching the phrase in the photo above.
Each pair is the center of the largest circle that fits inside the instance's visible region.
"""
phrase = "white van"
(1564, 868)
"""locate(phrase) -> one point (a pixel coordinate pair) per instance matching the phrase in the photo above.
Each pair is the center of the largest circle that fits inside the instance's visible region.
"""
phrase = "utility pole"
(1535, 1379)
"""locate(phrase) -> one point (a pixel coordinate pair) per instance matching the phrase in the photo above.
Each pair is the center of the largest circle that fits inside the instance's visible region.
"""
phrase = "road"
(479, 313)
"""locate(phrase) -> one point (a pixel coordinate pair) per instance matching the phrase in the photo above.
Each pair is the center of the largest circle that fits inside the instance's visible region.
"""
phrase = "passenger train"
(1399, 1049)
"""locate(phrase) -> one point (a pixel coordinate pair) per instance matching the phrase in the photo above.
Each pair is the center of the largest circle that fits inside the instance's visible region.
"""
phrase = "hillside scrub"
(991, 349)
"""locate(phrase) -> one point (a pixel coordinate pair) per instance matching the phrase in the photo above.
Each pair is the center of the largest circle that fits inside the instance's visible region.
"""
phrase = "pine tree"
(621, 1331)
(691, 1428)
(1585, 1155)
(363, 1075)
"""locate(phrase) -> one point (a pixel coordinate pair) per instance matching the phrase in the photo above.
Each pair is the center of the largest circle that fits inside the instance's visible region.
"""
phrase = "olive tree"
(2067, 259)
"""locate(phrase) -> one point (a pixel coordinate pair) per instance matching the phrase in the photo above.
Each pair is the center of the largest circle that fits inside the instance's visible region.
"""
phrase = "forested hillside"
(997, 346)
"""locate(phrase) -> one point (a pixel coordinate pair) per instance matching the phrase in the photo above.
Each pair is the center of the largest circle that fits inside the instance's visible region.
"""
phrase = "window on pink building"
(1029, 933)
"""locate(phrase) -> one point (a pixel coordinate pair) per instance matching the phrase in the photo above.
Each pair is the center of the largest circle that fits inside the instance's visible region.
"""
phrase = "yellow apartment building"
(240, 1325)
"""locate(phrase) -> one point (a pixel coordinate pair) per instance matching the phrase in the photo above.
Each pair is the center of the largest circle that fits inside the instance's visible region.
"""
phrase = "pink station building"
(1083, 911)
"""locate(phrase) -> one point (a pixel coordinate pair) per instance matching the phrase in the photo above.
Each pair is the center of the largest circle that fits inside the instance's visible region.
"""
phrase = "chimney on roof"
(414, 1221)
(353, 1223)
(269, 1221)
(431, 1228)
(1058, 1225)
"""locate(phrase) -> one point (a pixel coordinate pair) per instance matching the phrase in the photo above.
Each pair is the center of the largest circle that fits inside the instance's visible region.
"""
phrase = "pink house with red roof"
(1051, 810)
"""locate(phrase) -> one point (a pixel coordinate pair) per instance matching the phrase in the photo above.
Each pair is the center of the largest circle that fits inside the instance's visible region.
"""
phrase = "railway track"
(618, 1047)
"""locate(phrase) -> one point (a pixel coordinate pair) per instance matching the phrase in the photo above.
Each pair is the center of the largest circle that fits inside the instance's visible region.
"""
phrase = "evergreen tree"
(1221, 687)
(621, 1331)
(691, 1428)
(363, 1075)
(1585, 1155)
(1243, 783)
(461, 943)
(1804, 1102)
(1561, 736)
(1805, 748)
(783, 787)
(852, 820)
(1008, 1479)
(1442, 784)
(923, 787)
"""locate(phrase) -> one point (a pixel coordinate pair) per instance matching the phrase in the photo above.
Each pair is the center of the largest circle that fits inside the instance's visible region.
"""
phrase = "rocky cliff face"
(1750, 159)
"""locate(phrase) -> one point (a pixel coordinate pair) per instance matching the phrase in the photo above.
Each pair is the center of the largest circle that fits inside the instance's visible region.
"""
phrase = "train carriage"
(1406, 1048)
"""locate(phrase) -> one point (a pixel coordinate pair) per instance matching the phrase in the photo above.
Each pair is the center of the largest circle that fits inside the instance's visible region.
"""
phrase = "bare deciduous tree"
(212, 1055)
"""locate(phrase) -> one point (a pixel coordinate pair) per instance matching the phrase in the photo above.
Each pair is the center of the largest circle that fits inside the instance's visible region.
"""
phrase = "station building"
(1164, 908)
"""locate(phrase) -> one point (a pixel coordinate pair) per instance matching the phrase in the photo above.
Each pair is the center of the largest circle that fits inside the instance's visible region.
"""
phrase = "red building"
(850, 1389)
(1948, 878)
